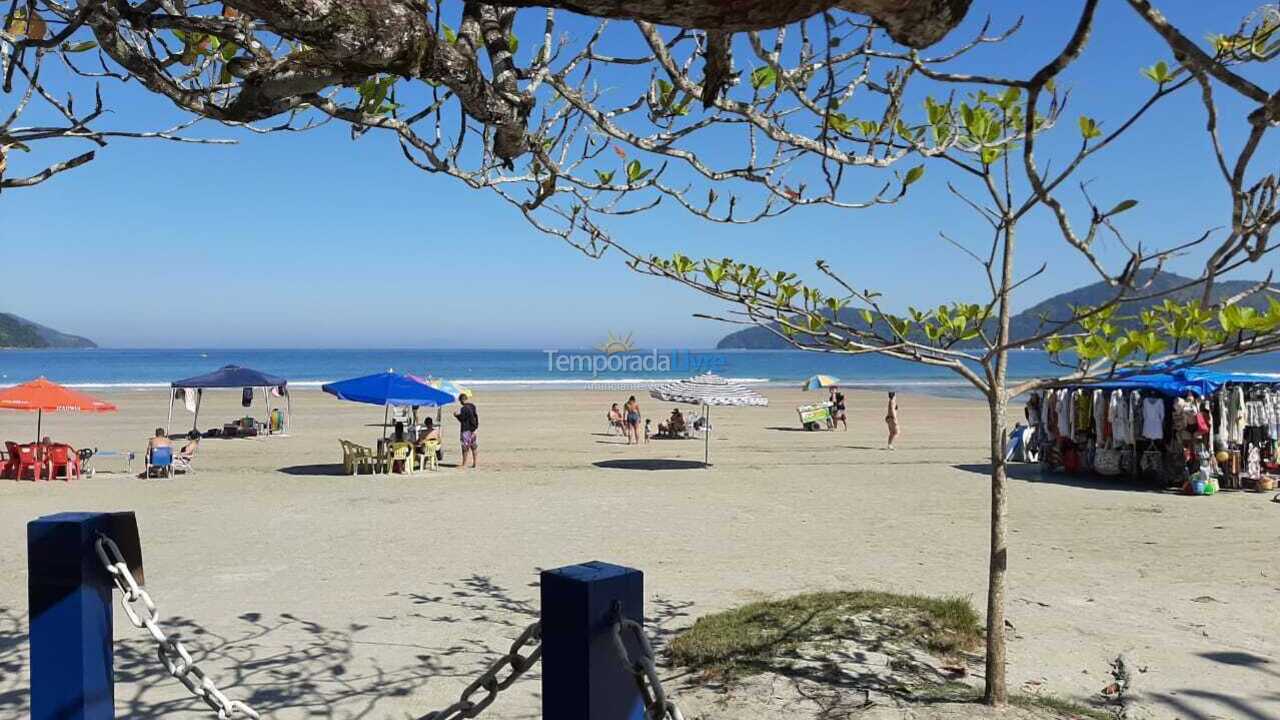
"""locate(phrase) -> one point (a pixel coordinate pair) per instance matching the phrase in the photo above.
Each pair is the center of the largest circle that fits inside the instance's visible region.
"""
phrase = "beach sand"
(315, 594)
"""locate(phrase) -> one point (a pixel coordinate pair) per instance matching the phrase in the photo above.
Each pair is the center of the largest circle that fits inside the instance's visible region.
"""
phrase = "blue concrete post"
(70, 604)
(582, 676)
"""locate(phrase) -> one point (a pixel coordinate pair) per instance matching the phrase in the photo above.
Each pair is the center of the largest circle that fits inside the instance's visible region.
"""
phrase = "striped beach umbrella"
(817, 382)
(707, 390)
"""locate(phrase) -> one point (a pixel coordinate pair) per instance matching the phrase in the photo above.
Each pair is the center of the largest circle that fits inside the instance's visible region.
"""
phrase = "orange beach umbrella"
(41, 396)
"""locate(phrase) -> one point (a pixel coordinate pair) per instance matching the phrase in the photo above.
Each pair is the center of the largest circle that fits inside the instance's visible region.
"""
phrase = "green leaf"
(79, 47)
(1158, 73)
(763, 77)
(229, 51)
(635, 173)
(867, 316)
(604, 177)
(1089, 128)
(1121, 207)
(513, 43)
(450, 36)
(913, 175)
(840, 122)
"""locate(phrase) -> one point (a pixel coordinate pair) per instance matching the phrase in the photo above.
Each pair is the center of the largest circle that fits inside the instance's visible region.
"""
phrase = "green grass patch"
(755, 633)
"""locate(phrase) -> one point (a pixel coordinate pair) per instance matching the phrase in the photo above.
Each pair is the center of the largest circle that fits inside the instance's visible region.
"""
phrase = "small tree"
(991, 137)
(575, 132)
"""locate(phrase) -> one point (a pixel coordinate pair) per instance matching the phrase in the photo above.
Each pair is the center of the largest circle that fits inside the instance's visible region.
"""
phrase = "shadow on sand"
(1030, 472)
(288, 662)
(648, 464)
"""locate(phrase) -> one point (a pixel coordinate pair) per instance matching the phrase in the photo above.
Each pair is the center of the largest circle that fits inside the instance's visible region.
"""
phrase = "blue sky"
(315, 240)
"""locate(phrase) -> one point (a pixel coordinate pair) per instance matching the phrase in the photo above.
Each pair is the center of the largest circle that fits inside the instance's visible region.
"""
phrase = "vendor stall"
(1189, 427)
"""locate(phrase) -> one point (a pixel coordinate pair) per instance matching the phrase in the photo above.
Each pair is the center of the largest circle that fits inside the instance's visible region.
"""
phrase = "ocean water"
(524, 369)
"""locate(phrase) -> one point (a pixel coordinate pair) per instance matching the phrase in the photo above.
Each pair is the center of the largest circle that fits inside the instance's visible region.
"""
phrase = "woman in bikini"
(891, 418)
(632, 409)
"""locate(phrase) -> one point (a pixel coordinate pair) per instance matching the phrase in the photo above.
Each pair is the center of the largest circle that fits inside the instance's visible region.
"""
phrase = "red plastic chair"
(64, 462)
(10, 469)
(31, 459)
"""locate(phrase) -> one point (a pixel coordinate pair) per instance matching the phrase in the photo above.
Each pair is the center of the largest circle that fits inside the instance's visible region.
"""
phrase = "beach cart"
(815, 417)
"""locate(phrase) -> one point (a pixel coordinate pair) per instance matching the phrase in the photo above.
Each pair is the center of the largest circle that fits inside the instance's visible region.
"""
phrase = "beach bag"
(1106, 461)
(1202, 423)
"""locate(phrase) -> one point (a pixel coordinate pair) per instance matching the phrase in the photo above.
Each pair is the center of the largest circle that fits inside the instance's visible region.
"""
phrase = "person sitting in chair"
(430, 434)
(615, 418)
(188, 451)
(674, 426)
(159, 440)
(429, 431)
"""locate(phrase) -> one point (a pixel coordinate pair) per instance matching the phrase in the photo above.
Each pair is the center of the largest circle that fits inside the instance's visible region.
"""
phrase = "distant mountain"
(1027, 322)
(16, 332)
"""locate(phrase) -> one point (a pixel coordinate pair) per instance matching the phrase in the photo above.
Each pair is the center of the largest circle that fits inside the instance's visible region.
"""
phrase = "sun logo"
(615, 344)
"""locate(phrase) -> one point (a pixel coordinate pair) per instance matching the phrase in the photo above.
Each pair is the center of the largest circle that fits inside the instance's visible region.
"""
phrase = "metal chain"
(656, 704)
(175, 658)
(488, 681)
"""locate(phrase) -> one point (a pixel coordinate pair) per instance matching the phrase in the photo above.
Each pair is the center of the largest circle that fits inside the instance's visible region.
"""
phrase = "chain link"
(489, 681)
(173, 655)
(656, 704)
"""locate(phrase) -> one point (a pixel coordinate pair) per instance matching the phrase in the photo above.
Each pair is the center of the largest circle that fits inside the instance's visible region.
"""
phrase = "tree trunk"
(995, 692)
(997, 401)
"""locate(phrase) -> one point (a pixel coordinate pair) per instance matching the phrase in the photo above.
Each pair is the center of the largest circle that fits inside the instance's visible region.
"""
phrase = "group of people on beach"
(840, 417)
(627, 419)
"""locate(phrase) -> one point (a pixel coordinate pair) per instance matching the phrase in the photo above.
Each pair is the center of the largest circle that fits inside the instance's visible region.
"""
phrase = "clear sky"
(316, 240)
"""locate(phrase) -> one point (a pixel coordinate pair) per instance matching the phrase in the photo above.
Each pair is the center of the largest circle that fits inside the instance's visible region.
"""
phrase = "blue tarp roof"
(1175, 383)
(231, 376)
(387, 388)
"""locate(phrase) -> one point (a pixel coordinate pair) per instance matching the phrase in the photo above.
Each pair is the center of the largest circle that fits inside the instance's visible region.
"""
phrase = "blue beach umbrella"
(387, 389)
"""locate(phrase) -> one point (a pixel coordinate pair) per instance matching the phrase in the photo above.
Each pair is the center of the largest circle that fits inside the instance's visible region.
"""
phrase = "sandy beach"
(314, 594)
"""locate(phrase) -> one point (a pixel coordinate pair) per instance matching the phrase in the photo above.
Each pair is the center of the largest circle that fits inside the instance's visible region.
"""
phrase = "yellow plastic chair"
(400, 452)
(348, 462)
(429, 456)
(362, 457)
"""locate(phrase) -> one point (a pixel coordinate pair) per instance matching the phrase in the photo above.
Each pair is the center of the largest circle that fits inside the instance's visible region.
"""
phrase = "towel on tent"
(246, 397)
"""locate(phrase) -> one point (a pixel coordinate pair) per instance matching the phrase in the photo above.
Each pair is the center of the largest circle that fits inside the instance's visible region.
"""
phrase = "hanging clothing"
(1135, 416)
(192, 400)
(1236, 420)
(1153, 418)
(1253, 466)
(1083, 412)
(1113, 417)
(1064, 413)
(246, 397)
(1100, 434)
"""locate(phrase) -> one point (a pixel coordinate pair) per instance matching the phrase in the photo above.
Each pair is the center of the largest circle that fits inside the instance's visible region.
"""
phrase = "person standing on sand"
(469, 422)
(632, 417)
(891, 418)
(838, 410)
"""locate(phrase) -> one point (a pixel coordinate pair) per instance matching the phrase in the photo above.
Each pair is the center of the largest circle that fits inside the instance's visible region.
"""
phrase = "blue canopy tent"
(233, 376)
(388, 389)
(1176, 383)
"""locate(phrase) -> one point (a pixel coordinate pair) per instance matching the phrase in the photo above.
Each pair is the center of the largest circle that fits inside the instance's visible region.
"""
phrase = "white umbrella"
(707, 390)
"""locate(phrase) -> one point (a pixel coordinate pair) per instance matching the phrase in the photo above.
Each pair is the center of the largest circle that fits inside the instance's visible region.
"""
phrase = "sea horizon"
(514, 368)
